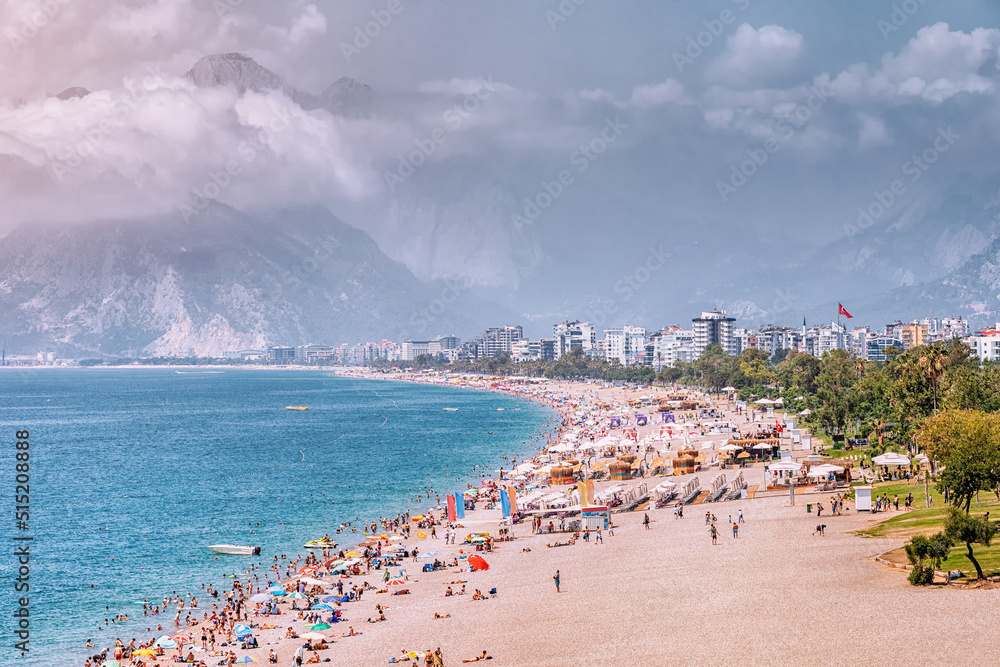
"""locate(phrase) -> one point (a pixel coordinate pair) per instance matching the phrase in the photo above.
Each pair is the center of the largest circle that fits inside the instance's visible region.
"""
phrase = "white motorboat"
(234, 550)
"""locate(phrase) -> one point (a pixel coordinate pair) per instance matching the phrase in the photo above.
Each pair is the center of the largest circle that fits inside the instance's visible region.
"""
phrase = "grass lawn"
(929, 520)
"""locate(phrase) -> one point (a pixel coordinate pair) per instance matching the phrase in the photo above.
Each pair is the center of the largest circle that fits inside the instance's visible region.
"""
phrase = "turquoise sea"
(134, 471)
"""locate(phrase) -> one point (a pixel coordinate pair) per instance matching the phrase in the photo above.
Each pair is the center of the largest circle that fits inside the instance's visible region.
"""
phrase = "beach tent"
(891, 459)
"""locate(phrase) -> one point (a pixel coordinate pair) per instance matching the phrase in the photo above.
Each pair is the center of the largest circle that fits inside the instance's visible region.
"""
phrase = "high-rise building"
(913, 335)
(624, 344)
(714, 328)
(570, 335)
(491, 342)
(668, 346)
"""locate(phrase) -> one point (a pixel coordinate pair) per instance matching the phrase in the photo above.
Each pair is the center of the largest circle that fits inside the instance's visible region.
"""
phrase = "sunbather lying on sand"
(478, 658)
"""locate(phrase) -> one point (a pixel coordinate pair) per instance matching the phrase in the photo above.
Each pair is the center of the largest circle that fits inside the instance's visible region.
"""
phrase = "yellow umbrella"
(353, 554)
(144, 651)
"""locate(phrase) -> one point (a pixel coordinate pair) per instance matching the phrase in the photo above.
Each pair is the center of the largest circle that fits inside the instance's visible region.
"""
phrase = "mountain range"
(224, 280)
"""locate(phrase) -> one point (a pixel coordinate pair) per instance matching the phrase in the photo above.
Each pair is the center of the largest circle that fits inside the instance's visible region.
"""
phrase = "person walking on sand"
(741, 517)
(556, 579)
(715, 534)
(736, 531)
(645, 521)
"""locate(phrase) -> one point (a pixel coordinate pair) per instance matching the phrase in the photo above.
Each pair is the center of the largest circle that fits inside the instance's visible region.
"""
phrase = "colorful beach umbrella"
(245, 658)
(320, 626)
(395, 582)
(297, 596)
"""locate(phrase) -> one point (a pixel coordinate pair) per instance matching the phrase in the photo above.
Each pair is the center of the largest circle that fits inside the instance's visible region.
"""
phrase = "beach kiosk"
(863, 498)
(596, 517)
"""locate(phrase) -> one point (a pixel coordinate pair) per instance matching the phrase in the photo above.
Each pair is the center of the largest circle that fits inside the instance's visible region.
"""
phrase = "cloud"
(657, 95)
(934, 66)
(754, 57)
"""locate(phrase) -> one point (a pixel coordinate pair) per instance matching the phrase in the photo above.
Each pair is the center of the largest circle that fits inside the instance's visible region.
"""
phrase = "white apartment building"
(624, 344)
(668, 346)
(986, 344)
(569, 335)
(714, 328)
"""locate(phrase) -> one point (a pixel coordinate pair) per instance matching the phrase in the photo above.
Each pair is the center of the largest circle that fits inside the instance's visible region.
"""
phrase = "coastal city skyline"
(626, 345)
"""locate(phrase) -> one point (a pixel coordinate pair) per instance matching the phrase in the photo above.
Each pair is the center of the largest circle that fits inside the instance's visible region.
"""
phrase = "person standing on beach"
(741, 517)
(715, 534)
(556, 579)
(736, 531)
(645, 521)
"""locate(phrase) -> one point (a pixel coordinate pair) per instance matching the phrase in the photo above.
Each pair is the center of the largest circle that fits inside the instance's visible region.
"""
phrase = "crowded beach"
(649, 515)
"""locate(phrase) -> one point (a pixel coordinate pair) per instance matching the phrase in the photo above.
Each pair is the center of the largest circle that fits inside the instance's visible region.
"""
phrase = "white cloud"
(754, 57)
(657, 95)
(934, 66)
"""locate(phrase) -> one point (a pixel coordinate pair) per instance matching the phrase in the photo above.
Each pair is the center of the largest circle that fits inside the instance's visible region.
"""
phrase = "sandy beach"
(779, 594)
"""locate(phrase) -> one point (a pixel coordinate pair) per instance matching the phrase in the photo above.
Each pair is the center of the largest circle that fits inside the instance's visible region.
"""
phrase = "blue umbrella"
(321, 606)
(331, 598)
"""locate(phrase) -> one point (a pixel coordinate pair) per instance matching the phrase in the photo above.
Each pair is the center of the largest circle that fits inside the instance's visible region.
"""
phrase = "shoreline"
(526, 448)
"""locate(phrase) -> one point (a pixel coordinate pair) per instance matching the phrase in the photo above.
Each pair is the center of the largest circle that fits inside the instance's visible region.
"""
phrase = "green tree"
(921, 550)
(835, 388)
(960, 527)
(933, 361)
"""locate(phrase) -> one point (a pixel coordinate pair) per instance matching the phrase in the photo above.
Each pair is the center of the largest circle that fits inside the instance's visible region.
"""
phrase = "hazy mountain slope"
(222, 280)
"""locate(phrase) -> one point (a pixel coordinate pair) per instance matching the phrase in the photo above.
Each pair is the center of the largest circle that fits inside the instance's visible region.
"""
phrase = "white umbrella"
(763, 446)
(807, 411)
(764, 401)
(786, 466)
(730, 448)
(314, 582)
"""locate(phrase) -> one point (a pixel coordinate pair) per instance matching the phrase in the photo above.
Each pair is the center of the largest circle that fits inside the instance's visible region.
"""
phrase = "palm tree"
(933, 364)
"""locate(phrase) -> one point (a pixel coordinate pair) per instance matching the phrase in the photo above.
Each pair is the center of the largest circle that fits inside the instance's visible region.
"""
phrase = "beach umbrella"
(323, 606)
(144, 651)
(786, 466)
(260, 597)
(314, 582)
(297, 596)
(245, 658)
(165, 642)
(395, 582)
(743, 455)
(111, 663)
(320, 626)
(313, 635)
(307, 570)
(331, 598)
(353, 554)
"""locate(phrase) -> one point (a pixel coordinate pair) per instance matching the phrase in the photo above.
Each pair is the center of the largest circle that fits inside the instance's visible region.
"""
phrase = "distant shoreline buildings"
(625, 345)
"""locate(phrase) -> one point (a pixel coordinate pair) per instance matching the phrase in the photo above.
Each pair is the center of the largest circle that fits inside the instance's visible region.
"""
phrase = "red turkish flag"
(843, 312)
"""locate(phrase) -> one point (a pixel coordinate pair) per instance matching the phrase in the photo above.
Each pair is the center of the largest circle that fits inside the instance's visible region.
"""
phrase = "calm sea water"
(134, 472)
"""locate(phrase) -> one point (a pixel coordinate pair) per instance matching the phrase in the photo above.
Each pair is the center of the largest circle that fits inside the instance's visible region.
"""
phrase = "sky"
(539, 151)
